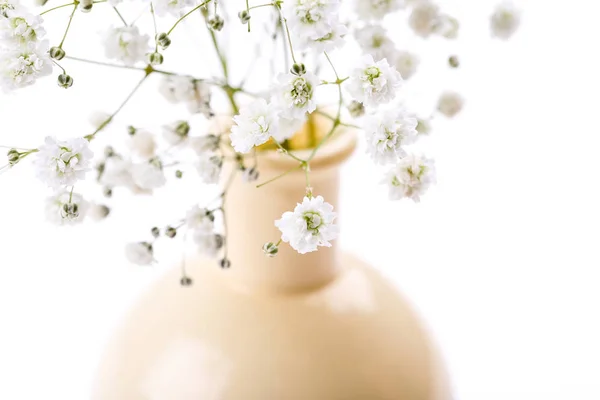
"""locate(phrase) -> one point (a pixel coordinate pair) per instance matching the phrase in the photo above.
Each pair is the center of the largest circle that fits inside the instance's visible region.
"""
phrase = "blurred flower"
(310, 225)
(411, 177)
(98, 212)
(200, 219)
(373, 39)
(406, 63)
(149, 175)
(176, 132)
(450, 104)
(377, 9)
(126, 44)
(314, 24)
(172, 7)
(63, 163)
(505, 20)
(140, 253)
(423, 18)
(205, 144)
(208, 244)
(142, 143)
(209, 168)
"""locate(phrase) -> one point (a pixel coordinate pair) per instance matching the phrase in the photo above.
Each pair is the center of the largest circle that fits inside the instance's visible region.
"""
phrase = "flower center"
(313, 221)
(261, 125)
(372, 73)
(301, 92)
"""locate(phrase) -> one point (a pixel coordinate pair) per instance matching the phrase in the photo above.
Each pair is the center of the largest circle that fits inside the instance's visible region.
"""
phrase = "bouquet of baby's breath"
(310, 32)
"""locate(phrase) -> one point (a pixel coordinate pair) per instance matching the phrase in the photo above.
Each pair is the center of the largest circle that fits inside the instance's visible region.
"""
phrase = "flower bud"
(182, 128)
(270, 249)
(109, 151)
(423, 126)
(163, 40)
(178, 174)
(155, 232)
(216, 23)
(298, 69)
(186, 281)
(107, 192)
(250, 174)
(155, 58)
(65, 81)
(13, 156)
(131, 130)
(244, 16)
(57, 53)
(453, 61)
(356, 109)
(86, 5)
(98, 212)
(225, 263)
(170, 232)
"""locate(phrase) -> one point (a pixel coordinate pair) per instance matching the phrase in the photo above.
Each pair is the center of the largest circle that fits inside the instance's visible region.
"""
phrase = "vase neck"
(251, 213)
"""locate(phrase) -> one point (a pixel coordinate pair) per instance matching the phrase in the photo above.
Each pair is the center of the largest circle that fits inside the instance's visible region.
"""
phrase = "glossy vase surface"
(320, 326)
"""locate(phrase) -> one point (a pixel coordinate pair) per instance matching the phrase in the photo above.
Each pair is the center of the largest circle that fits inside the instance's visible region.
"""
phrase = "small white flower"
(209, 168)
(176, 132)
(310, 20)
(208, 244)
(450, 104)
(125, 44)
(254, 125)
(149, 175)
(199, 101)
(173, 7)
(406, 63)
(332, 39)
(505, 20)
(140, 253)
(98, 212)
(200, 219)
(447, 27)
(205, 144)
(294, 95)
(21, 27)
(177, 88)
(142, 143)
(63, 163)
(310, 225)
(22, 67)
(410, 178)
(387, 133)
(377, 9)
(66, 208)
(423, 18)
(374, 83)
(373, 39)
(117, 172)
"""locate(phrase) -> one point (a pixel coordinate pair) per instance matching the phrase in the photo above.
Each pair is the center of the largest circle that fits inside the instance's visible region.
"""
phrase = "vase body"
(323, 326)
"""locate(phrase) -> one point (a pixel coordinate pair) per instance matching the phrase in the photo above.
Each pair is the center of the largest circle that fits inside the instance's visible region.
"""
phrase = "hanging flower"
(126, 44)
(209, 168)
(23, 66)
(254, 125)
(505, 21)
(410, 178)
(200, 219)
(387, 133)
(66, 208)
(176, 133)
(149, 175)
(310, 225)
(140, 253)
(208, 244)
(374, 83)
(63, 163)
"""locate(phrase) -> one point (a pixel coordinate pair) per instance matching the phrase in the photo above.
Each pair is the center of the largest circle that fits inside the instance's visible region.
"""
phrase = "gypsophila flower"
(63, 163)
(117, 172)
(410, 178)
(406, 63)
(377, 9)
(98, 119)
(423, 18)
(374, 83)
(447, 27)
(205, 144)
(373, 39)
(200, 219)
(209, 168)
(294, 95)
(176, 88)
(6, 6)
(450, 104)
(142, 144)
(149, 175)
(139, 253)
(505, 20)
(21, 27)
(310, 225)
(312, 20)
(21, 67)
(176, 132)
(332, 39)
(126, 44)
(173, 7)
(254, 125)
(386, 134)
(66, 208)
(208, 244)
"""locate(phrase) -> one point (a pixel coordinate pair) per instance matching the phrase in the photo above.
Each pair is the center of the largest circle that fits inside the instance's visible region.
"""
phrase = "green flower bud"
(70, 211)
(186, 281)
(270, 249)
(86, 5)
(298, 69)
(453, 62)
(178, 174)
(170, 232)
(163, 40)
(65, 81)
(107, 192)
(57, 53)
(155, 232)
(356, 109)
(131, 130)
(225, 263)
(13, 156)
(216, 23)
(155, 58)
(244, 16)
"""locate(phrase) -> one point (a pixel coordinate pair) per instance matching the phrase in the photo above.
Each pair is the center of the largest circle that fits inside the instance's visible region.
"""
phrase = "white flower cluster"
(315, 24)
(23, 52)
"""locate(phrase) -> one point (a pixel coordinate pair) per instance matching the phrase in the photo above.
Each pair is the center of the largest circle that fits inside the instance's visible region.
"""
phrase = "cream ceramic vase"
(321, 326)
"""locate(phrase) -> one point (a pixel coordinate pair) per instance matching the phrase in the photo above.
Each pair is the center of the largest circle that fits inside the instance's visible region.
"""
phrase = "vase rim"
(333, 152)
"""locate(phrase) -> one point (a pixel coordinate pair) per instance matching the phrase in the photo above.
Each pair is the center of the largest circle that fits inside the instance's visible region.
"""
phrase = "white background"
(501, 258)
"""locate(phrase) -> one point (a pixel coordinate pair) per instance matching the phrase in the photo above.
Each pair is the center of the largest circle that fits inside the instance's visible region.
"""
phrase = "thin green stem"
(229, 91)
(259, 6)
(248, 11)
(57, 7)
(59, 66)
(155, 29)
(110, 118)
(284, 151)
(120, 16)
(337, 77)
(287, 30)
(280, 175)
(187, 14)
(68, 25)
(105, 64)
